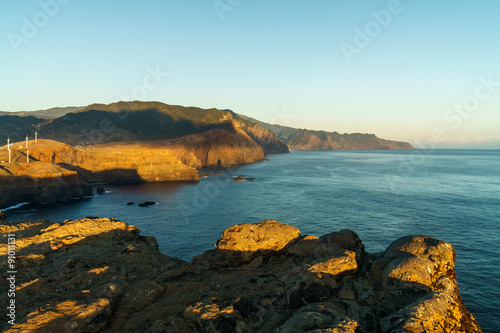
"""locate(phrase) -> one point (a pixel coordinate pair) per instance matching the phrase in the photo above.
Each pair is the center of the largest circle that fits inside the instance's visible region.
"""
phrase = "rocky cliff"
(133, 163)
(266, 139)
(123, 163)
(59, 172)
(100, 275)
(39, 182)
(148, 121)
(227, 145)
(304, 139)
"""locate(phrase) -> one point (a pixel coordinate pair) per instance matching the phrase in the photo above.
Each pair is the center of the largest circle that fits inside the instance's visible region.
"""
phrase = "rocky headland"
(39, 182)
(59, 172)
(304, 139)
(101, 275)
(225, 146)
(152, 121)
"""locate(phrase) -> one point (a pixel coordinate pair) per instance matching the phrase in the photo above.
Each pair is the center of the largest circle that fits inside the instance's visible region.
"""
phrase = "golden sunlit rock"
(94, 275)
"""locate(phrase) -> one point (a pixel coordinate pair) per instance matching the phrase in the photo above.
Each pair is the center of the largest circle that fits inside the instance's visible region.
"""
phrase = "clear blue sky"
(278, 61)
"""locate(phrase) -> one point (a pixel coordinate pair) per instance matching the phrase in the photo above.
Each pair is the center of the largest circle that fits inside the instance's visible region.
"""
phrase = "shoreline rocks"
(100, 189)
(98, 275)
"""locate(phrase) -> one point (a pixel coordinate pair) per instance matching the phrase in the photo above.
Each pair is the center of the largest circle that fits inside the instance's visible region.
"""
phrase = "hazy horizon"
(414, 71)
(427, 144)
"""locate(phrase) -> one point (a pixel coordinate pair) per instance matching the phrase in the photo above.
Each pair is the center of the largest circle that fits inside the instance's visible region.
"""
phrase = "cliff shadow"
(32, 189)
(116, 175)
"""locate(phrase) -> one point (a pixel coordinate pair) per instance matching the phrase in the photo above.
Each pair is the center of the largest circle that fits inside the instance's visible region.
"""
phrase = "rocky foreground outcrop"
(101, 275)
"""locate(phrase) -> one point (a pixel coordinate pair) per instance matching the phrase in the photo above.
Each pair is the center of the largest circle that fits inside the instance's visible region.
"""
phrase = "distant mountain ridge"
(51, 113)
(304, 139)
(149, 121)
(218, 132)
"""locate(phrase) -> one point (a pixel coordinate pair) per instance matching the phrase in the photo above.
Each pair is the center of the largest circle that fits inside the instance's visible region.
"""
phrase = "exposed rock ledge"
(96, 275)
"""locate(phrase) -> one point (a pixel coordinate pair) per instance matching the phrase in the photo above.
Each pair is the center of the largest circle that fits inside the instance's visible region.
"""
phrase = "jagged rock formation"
(265, 138)
(95, 275)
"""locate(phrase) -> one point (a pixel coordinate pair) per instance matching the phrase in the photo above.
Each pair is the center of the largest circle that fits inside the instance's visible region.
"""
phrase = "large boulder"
(342, 264)
(435, 312)
(243, 242)
(343, 240)
(417, 284)
(416, 261)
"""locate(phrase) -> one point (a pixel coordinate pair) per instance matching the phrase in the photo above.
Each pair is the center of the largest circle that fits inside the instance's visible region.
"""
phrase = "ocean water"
(453, 195)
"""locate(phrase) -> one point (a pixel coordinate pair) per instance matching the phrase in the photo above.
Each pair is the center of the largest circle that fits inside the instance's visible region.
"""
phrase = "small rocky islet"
(101, 275)
(241, 178)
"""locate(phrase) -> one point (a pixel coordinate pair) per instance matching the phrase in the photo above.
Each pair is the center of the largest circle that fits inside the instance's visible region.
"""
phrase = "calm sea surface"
(453, 195)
